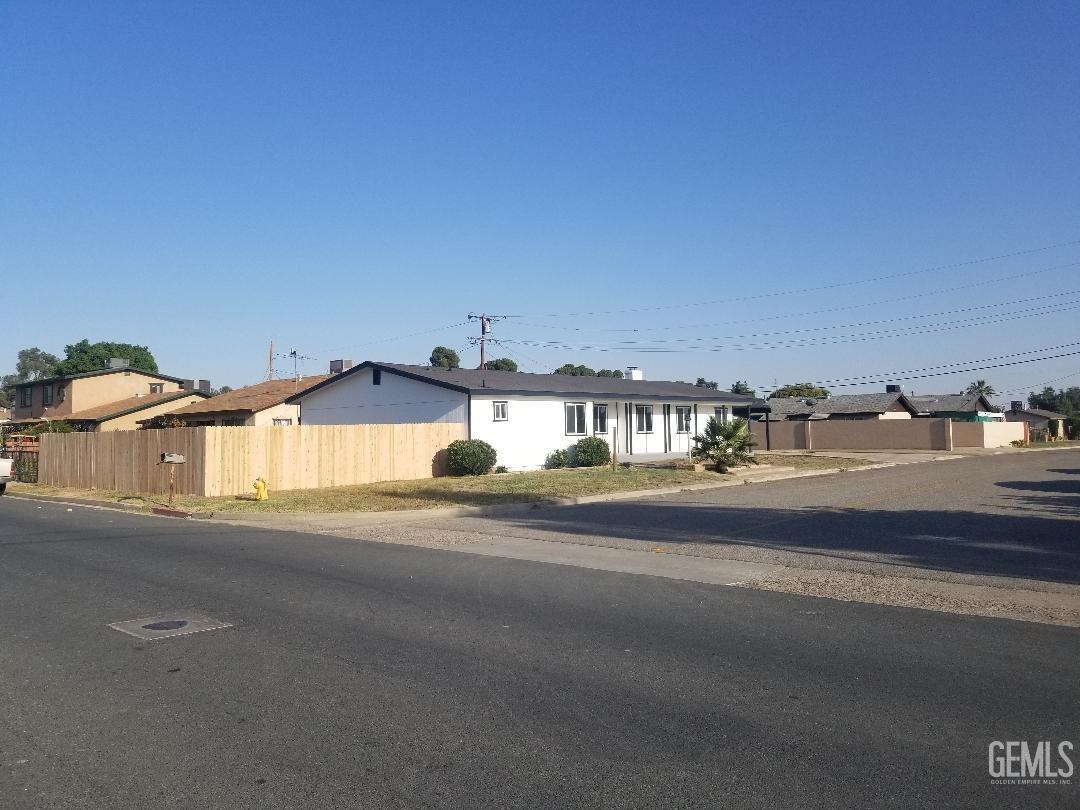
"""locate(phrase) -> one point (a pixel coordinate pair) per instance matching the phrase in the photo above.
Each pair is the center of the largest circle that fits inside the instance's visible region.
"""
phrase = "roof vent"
(117, 362)
(634, 373)
(338, 366)
(892, 389)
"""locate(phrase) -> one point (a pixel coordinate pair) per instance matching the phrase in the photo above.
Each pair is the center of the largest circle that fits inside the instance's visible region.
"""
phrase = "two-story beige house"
(114, 398)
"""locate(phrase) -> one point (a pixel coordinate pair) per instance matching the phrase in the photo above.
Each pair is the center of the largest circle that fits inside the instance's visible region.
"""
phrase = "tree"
(613, 373)
(501, 364)
(32, 364)
(800, 390)
(980, 387)
(725, 444)
(86, 356)
(741, 387)
(703, 383)
(217, 392)
(442, 357)
(570, 370)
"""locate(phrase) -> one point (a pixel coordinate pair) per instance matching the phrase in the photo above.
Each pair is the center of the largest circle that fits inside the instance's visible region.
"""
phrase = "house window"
(157, 388)
(599, 419)
(233, 421)
(575, 418)
(61, 392)
(26, 397)
(682, 418)
(644, 418)
(376, 376)
(46, 395)
(721, 414)
(282, 422)
(499, 411)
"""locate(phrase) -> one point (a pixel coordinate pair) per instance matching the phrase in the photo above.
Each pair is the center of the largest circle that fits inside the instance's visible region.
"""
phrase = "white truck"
(7, 473)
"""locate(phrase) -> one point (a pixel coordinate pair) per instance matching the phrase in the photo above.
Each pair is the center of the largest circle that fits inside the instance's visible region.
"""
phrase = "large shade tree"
(85, 356)
(800, 390)
(31, 364)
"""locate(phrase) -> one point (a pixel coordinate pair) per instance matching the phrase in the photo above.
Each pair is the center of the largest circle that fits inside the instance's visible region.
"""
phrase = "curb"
(112, 506)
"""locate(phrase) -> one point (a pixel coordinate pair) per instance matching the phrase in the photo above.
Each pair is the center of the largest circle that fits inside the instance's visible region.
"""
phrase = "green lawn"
(424, 494)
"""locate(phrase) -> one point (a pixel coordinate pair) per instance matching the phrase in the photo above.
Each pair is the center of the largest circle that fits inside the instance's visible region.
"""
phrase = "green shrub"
(592, 451)
(558, 459)
(501, 469)
(470, 457)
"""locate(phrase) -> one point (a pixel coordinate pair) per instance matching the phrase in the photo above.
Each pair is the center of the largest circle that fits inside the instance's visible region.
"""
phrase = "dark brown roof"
(477, 381)
(111, 410)
(251, 399)
(840, 404)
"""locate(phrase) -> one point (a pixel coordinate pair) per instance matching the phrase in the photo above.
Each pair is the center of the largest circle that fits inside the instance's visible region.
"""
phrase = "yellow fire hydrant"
(262, 489)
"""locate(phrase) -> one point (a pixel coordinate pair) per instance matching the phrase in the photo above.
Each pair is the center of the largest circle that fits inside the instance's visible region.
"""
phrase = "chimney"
(338, 366)
(892, 389)
(117, 362)
(634, 373)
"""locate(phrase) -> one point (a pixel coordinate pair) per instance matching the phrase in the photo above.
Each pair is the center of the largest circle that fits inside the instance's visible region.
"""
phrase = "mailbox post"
(172, 459)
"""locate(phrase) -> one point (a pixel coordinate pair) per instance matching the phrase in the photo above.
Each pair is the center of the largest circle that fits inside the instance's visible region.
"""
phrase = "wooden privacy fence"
(226, 460)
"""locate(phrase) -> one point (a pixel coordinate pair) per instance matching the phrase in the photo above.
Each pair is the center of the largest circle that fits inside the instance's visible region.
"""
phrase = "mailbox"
(172, 458)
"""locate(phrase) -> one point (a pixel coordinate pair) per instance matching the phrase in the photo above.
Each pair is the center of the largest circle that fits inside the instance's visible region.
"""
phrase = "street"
(361, 674)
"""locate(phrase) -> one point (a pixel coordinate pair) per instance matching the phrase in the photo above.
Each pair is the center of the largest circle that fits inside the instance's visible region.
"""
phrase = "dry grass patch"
(810, 462)
(423, 494)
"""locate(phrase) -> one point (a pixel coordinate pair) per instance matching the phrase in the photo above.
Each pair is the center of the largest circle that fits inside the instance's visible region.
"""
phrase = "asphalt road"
(374, 675)
(1012, 516)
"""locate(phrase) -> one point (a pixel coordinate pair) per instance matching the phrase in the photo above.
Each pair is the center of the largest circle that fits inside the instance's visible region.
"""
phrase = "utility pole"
(485, 329)
(270, 363)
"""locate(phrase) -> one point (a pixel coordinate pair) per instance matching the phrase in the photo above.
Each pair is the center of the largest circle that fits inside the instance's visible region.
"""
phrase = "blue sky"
(203, 177)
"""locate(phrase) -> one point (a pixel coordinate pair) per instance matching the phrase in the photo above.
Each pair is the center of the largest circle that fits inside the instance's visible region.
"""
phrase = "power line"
(886, 378)
(1035, 386)
(394, 338)
(865, 377)
(858, 324)
(695, 344)
(820, 288)
(827, 310)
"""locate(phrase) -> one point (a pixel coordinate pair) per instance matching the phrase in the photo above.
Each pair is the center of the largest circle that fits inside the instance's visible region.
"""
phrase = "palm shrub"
(592, 451)
(726, 445)
(470, 457)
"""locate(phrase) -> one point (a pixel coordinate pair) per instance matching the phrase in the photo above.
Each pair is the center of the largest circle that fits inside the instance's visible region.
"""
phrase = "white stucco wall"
(355, 400)
(536, 426)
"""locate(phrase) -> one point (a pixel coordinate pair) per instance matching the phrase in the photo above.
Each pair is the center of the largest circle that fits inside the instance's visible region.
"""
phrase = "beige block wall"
(986, 434)
(857, 434)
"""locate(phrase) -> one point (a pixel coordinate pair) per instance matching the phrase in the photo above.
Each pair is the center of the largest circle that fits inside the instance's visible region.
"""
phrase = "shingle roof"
(253, 398)
(98, 373)
(477, 381)
(1042, 413)
(931, 403)
(843, 403)
(111, 410)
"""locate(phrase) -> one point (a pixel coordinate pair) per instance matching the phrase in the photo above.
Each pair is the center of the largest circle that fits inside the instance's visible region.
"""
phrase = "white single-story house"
(525, 417)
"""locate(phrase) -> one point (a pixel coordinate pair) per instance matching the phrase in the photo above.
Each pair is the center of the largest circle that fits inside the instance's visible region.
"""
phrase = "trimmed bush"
(470, 457)
(592, 451)
(558, 459)
(501, 469)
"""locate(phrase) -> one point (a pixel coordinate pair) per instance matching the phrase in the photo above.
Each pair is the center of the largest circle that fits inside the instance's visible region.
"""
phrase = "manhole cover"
(168, 626)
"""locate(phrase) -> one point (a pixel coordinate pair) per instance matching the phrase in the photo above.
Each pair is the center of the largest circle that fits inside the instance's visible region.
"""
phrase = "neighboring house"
(126, 414)
(958, 407)
(56, 398)
(254, 406)
(1042, 425)
(525, 417)
(893, 405)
